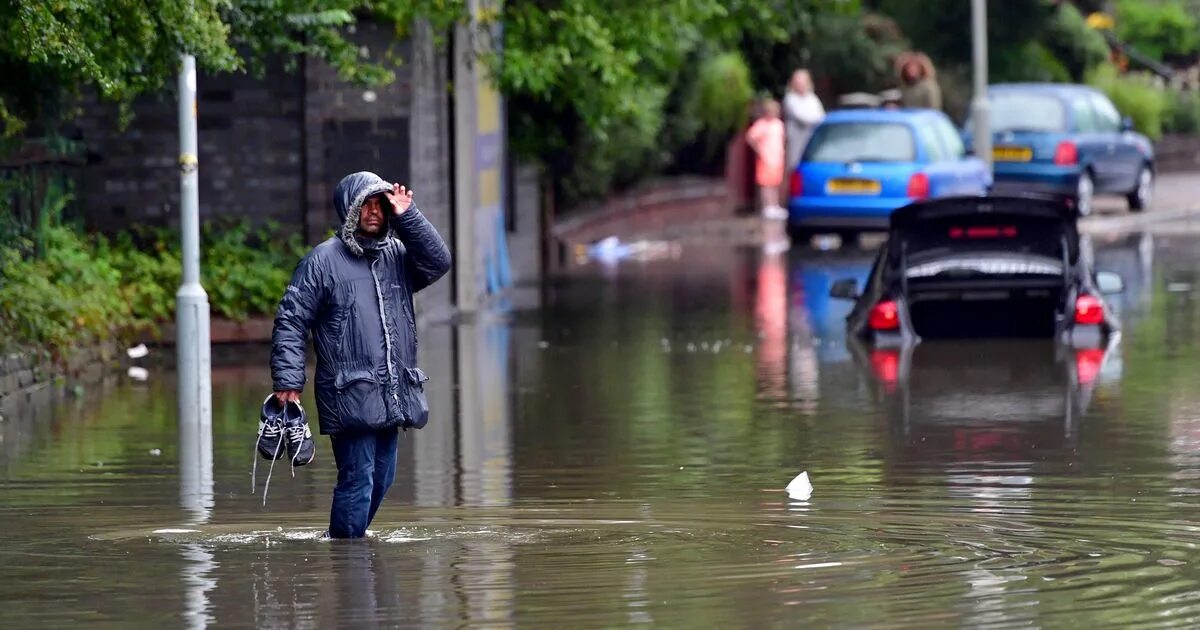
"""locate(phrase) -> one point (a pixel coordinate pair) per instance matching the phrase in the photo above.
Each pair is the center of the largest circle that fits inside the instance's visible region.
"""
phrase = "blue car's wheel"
(1085, 190)
(1141, 196)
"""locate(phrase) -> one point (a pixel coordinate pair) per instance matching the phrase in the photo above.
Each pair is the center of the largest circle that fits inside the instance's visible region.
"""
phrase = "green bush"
(1160, 29)
(60, 300)
(1078, 47)
(852, 53)
(721, 95)
(1136, 96)
(1183, 114)
(247, 270)
(85, 288)
(1032, 61)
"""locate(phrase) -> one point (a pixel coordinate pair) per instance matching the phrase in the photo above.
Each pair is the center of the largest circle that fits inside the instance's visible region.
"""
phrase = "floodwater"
(619, 458)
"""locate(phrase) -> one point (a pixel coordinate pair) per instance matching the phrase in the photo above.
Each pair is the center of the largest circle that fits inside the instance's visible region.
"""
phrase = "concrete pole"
(191, 310)
(466, 258)
(981, 132)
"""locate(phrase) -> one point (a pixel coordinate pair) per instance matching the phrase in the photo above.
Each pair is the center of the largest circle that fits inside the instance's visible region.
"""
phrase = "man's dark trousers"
(366, 464)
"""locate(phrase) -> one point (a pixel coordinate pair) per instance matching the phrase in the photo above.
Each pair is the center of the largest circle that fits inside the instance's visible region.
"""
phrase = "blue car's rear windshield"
(861, 142)
(1027, 111)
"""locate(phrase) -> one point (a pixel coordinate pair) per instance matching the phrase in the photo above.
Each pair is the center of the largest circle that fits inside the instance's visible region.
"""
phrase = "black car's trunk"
(1030, 312)
(986, 268)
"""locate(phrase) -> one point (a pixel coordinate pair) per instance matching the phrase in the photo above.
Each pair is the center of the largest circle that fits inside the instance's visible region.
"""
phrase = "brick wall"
(273, 147)
(350, 128)
(250, 153)
(24, 372)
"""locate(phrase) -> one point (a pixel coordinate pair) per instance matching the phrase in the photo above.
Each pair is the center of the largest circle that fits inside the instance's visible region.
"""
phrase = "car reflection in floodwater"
(818, 351)
(993, 401)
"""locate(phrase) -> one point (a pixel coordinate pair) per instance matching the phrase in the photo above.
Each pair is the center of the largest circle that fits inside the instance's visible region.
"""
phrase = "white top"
(801, 112)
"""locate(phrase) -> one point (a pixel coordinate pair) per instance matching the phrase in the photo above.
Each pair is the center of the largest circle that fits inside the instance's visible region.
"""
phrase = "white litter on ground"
(138, 373)
(137, 352)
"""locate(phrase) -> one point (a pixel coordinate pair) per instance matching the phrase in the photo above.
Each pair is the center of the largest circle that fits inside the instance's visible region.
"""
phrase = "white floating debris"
(137, 352)
(175, 531)
(1179, 287)
(543, 344)
(156, 452)
(800, 488)
(691, 347)
(818, 565)
(138, 373)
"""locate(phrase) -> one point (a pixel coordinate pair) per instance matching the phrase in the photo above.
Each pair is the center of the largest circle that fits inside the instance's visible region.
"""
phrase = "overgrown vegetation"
(89, 288)
(1155, 110)
(1183, 113)
(1163, 29)
(1136, 96)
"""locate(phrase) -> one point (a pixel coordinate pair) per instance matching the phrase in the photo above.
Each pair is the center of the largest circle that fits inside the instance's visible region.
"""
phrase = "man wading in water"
(355, 293)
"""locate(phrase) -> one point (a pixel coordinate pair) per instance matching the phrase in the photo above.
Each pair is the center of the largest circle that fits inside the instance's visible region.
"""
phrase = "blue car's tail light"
(1066, 153)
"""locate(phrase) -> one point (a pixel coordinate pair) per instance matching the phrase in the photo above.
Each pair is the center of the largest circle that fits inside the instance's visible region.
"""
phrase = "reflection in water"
(771, 313)
(817, 322)
(1005, 401)
(196, 499)
(584, 468)
(483, 413)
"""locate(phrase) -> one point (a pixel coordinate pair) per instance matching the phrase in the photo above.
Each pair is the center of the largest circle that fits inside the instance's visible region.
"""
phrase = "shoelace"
(270, 429)
(295, 435)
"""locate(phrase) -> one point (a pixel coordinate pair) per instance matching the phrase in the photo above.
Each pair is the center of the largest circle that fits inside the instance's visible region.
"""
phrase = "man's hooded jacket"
(356, 296)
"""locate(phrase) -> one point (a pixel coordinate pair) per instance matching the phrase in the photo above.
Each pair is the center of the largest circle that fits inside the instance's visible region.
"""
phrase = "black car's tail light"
(884, 316)
(1089, 311)
(983, 231)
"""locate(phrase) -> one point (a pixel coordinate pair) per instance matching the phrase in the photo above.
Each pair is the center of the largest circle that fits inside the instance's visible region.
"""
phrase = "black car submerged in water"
(971, 267)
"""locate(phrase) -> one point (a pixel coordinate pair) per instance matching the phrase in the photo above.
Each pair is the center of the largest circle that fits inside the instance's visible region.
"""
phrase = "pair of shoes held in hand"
(282, 431)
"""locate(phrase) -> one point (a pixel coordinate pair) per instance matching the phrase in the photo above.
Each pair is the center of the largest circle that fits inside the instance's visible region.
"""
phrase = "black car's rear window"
(1006, 233)
(861, 142)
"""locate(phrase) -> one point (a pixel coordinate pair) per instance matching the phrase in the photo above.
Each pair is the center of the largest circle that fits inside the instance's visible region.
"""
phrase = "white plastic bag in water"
(800, 488)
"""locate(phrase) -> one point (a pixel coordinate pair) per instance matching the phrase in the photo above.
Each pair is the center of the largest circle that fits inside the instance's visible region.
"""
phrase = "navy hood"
(348, 199)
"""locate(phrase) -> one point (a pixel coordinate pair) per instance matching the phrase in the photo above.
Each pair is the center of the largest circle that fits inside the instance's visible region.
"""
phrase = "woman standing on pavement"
(802, 111)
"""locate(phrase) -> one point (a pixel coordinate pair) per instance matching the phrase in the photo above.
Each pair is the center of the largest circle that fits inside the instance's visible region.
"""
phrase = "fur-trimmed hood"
(348, 199)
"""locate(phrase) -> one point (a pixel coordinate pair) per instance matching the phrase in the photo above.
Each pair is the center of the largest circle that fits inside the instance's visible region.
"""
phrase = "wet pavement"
(619, 458)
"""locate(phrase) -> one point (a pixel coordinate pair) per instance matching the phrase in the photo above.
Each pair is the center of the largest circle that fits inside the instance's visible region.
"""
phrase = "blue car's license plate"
(848, 186)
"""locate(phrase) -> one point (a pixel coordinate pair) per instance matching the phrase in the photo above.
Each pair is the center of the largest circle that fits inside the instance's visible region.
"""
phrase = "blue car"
(1069, 141)
(861, 164)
